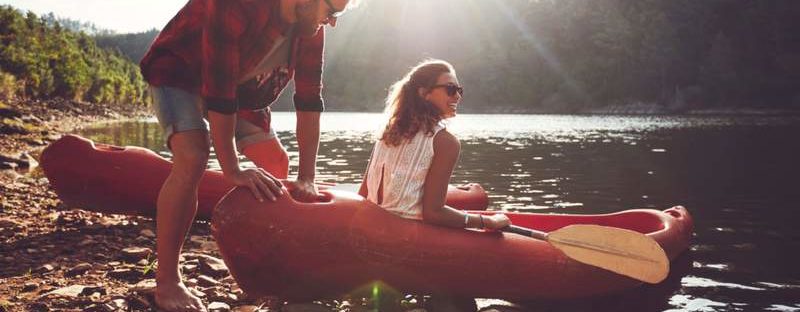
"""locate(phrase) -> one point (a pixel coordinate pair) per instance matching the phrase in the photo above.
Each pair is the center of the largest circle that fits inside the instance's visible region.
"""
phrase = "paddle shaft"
(525, 232)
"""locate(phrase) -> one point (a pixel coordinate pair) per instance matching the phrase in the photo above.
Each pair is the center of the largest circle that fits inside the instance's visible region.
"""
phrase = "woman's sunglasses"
(451, 89)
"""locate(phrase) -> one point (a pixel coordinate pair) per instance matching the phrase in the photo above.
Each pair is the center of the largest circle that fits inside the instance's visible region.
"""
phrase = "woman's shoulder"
(443, 139)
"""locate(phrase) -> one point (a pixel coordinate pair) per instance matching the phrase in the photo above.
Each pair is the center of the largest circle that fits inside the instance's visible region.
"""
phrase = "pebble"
(136, 253)
(124, 274)
(212, 266)
(29, 286)
(304, 307)
(189, 268)
(137, 303)
(45, 268)
(146, 286)
(78, 269)
(69, 291)
(218, 306)
(147, 233)
(38, 307)
(206, 281)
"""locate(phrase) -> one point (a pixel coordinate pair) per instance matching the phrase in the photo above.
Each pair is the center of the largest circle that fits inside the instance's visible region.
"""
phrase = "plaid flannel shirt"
(210, 44)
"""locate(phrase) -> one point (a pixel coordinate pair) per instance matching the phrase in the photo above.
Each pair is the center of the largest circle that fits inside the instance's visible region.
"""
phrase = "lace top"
(402, 170)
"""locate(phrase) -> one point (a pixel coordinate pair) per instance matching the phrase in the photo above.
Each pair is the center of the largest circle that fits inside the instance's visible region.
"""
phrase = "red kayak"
(126, 180)
(310, 250)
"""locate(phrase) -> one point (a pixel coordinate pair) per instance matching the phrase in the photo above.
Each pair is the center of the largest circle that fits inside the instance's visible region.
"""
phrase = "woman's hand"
(261, 183)
(496, 222)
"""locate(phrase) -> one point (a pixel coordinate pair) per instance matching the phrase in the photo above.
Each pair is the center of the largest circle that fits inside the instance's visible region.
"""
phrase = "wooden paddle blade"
(622, 251)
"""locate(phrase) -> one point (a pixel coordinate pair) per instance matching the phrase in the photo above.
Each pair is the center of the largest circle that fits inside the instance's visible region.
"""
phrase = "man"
(216, 58)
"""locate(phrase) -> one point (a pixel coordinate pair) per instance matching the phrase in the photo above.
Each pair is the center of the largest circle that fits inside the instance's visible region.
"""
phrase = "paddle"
(622, 251)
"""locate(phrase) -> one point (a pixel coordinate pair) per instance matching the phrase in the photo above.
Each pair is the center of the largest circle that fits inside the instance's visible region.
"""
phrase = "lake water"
(737, 175)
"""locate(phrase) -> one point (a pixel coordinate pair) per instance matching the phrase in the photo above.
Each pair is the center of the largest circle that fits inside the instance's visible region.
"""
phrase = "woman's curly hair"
(409, 112)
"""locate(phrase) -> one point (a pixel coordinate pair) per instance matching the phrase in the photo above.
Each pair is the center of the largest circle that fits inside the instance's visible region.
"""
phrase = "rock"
(212, 266)
(69, 291)
(137, 303)
(22, 161)
(97, 308)
(189, 268)
(86, 242)
(8, 112)
(78, 269)
(118, 304)
(125, 274)
(217, 293)
(147, 233)
(9, 224)
(44, 268)
(94, 291)
(29, 286)
(218, 306)
(136, 253)
(246, 308)
(206, 281)
(304, 307)
(142, 240)
(38, 307)
(147, 286)
(197, 293)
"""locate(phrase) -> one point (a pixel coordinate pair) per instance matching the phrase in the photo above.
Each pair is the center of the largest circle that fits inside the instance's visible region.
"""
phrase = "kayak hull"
(311, 250)
(127, 180)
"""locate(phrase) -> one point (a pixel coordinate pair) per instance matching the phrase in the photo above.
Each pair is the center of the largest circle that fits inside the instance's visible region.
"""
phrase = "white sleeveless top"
(403, 168)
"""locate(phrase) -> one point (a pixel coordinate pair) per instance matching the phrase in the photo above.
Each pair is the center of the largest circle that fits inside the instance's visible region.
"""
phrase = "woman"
(413, 160)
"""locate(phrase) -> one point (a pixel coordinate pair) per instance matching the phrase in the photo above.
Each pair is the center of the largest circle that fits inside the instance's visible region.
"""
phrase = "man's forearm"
(222, 132)
(308, 143)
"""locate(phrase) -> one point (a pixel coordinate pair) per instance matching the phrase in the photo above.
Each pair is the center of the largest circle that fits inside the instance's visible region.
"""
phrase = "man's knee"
(190, 153)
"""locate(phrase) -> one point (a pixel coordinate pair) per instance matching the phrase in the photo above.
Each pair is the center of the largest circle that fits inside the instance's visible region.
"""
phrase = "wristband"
(481, 217)
(466, 220)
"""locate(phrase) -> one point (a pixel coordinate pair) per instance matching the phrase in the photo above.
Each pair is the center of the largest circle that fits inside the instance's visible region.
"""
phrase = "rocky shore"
(57, 258)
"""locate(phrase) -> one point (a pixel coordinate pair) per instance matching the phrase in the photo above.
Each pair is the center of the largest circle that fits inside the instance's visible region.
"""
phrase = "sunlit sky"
(122, 16)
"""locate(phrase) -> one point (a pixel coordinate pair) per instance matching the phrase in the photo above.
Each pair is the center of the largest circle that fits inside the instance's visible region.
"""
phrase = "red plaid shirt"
(210, 44)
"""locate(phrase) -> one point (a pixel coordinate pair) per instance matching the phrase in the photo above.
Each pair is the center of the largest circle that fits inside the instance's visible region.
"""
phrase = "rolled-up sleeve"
(308, 76)
(224, 24)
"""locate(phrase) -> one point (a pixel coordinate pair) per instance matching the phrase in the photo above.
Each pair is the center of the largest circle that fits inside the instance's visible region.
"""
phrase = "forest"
(41, 59)
(512, 56)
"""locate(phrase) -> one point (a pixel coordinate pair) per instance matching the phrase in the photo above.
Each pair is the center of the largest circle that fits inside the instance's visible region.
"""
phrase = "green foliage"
(46, 60)
(8, 85)
(133, 46)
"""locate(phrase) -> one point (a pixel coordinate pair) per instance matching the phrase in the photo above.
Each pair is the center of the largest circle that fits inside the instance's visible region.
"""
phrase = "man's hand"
(304, 190)
(260, 182)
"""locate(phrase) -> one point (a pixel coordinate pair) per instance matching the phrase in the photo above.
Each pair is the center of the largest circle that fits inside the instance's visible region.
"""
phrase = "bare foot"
(176, 297)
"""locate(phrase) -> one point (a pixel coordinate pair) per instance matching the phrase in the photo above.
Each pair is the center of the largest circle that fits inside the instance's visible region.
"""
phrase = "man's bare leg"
(176, 208)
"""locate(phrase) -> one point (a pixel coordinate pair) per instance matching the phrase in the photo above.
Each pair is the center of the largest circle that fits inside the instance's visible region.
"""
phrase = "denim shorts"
(178, 110)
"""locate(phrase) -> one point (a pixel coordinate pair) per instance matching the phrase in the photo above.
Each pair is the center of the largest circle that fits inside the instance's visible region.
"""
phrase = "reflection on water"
(737, 175)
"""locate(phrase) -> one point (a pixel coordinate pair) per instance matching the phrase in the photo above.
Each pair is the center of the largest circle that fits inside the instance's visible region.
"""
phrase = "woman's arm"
(446, 149)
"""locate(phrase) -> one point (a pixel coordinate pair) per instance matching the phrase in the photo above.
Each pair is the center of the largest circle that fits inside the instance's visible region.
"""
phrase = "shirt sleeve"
(224, 24)
(308, 75)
